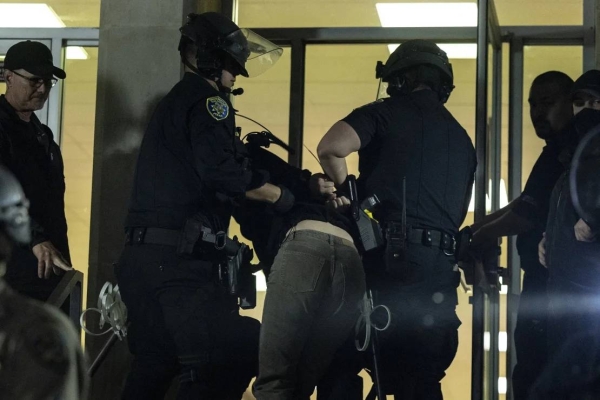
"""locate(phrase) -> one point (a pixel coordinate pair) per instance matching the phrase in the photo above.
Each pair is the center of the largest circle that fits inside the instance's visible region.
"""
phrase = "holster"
(233, 258)
(369, 230)
(237, 274)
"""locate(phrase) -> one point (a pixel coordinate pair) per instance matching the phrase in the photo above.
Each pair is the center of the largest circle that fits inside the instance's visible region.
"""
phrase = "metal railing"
(70, 287)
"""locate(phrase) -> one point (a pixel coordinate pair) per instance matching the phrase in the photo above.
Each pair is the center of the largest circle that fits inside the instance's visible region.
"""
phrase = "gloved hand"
(285, 201)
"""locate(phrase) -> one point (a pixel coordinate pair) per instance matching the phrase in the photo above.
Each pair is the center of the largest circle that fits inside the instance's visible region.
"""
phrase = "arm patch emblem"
(217, 108)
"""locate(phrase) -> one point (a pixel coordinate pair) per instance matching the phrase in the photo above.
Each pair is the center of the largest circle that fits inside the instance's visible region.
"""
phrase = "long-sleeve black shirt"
(191, 160)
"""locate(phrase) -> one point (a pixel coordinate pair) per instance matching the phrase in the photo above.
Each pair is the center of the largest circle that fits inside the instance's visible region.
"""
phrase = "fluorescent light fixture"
(17, 15)
(502, 385)
(453, 50)
(36, 15)
(414, 15)
(77, 53)
(424, 15)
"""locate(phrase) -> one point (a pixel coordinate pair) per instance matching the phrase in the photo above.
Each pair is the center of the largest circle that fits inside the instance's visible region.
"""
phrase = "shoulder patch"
(217, 108)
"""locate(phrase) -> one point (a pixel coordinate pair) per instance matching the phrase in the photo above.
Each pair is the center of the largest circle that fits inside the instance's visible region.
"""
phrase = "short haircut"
(189, 51)
(564, 81)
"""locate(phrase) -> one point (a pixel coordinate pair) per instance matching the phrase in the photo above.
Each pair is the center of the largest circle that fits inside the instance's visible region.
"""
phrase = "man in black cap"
(28, 150)
(571, 252)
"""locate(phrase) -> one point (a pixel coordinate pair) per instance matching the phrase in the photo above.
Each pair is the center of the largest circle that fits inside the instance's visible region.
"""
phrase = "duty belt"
(424, 236)
(170, 237)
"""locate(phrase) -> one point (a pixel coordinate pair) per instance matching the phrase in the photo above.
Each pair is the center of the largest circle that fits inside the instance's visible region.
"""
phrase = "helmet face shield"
(252, 52)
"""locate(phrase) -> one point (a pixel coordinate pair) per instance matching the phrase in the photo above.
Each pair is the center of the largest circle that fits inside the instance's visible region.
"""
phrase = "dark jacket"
(29, 151)
(566, 257)
(266, 229)
(191, 161)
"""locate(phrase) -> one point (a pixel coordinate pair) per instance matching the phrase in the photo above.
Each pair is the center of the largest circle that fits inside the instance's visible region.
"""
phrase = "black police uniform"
(191, 163)
(530, 332)
(414, 137)
(28, 150)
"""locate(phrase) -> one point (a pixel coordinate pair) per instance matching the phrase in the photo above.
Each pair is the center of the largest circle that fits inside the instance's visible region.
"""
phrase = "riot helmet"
(221, 43)
(14, 217)
(417, 61)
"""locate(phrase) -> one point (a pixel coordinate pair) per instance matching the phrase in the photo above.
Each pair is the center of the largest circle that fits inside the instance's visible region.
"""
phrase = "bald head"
(550, 103)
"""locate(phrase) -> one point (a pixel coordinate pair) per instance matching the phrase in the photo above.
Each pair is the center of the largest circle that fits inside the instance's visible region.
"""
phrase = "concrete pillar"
(138, 63)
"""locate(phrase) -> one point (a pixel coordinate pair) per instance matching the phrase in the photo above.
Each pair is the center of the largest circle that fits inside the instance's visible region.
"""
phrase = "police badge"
(217, 108)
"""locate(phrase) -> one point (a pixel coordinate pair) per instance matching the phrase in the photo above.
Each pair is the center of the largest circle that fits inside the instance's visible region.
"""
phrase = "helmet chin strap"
(214, 76)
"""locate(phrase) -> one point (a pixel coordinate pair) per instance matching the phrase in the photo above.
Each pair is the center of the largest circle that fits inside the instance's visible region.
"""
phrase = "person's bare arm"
(493, 216)
(508, 224)
(338, 143)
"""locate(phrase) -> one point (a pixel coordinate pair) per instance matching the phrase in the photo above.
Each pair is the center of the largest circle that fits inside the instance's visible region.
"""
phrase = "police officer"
(410, 138)
(40, 352)
(192, 168)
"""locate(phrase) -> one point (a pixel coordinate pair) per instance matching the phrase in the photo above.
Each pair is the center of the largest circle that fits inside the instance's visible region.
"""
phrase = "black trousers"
(183, 323)
(530, 333)
(421, 342)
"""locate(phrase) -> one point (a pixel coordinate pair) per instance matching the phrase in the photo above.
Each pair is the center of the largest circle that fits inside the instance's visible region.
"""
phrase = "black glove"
(285, 202)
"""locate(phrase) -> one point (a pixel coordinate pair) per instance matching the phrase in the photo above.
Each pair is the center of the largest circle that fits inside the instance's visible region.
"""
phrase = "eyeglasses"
(36, 81)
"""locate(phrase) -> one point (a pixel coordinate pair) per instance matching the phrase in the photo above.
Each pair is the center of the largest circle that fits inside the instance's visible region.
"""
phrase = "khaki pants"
(312, 303)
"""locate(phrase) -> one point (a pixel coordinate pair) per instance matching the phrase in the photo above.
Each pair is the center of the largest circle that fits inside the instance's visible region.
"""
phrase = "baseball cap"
(588, 83)
(33, 57)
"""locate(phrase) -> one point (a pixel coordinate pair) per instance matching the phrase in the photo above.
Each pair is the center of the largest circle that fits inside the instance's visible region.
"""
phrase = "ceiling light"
(36, 15)
(453, 50)
(414, 15)
(16, 15)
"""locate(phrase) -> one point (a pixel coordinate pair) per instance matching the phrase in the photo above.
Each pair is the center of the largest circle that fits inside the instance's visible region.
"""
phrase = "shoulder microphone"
(237, 92)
